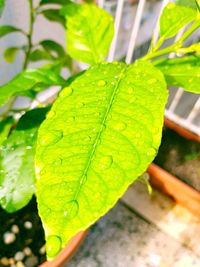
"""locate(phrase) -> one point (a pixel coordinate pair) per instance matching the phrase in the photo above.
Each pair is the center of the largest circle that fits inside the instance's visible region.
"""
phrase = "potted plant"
(80, 153)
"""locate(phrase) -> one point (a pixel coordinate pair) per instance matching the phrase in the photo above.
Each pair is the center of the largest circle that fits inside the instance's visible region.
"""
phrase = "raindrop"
(28, 147)
(80, 105)
(101, 83)
(52, 138)
(53, 245)
(57, 162)
(106, 162)
(151, 152)
(120, 126)
(67, 91)
(116, 77)
(71, 209)
(130, 90)
(51, 114)
(151, 81)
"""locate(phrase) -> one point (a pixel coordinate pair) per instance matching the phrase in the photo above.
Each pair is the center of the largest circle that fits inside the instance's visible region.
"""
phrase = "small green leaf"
(17, 176)
(88, 39)
(54, 15)
(59, 2)
(6, 29)
(2, 4)
(175, 17)
(52, 46)
(182, 72)
(38, 54)
(100, 135)
(27, 81)
(10, 54)
(5, 126)
(190, 3)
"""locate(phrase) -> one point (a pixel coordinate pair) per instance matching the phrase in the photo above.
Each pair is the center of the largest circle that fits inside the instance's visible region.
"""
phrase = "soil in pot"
(22, 237)
(180, 157)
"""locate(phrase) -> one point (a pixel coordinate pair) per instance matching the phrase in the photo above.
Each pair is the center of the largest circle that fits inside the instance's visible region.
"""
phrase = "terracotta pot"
(178, 190)
(67, 252)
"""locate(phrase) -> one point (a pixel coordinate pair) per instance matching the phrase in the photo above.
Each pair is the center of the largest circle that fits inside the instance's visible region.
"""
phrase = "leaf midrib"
(94, 147)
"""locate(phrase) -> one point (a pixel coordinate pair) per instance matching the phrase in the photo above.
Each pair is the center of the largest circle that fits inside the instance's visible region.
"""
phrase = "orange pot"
(67, 252)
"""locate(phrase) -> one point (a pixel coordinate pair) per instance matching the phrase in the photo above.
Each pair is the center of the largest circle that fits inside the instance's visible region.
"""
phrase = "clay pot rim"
(67, 252)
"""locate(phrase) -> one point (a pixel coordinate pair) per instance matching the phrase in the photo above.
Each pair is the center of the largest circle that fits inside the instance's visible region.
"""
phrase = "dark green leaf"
(17, 176)
(10, 54)
(27, 81)
(39, 54)
(6, 29)
(89, 32)
(5, 126)
(175, 17)
(182, 72)
(59, 2)
(52, 46)
(54, 15)
(100, 135)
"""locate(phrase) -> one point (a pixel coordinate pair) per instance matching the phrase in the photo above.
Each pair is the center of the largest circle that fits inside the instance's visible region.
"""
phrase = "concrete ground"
(157, 233)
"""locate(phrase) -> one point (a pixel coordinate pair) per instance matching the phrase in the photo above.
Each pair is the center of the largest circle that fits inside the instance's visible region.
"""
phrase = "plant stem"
(176, 46)
(29, 35)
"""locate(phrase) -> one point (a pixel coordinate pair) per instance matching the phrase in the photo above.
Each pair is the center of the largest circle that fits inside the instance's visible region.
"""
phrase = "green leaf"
(190, 3)
(5, 126)
(29, 80)
(54, 15)
(100, 135)
(182, 72)
(88, 39)
(39, 54)
(2, 4)
(17, 176)
(52, 46)
(10, 54)
(175, 17)
(59, 2)
(6, 29)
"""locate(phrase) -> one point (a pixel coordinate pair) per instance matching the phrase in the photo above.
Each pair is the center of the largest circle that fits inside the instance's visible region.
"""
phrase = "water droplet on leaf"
(67, 91)
(101, 83)
(120, 126)
(53, 245)
(106, 162)
(52, 138)
(130, 90)
(151, 152)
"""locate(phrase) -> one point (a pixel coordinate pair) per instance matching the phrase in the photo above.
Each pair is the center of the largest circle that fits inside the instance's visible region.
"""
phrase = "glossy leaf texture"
(17, 173)
(173, 18)
(88, 39)
(6, 29)
(182, 72)
(31, 79)
(100, 135)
